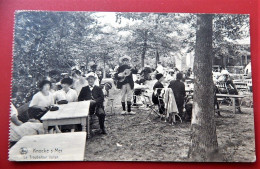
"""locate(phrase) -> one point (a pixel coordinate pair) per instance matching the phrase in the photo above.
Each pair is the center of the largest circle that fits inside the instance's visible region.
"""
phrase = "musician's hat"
(124, 57)
(91, 74)
(92, 64)
(224, 72)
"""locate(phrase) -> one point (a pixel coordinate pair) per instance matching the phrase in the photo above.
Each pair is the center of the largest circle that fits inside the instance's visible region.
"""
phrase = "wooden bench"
(232, 97)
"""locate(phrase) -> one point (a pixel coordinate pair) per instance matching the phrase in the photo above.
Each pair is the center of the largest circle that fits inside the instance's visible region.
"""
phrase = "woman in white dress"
(41, 101)
(66, 93)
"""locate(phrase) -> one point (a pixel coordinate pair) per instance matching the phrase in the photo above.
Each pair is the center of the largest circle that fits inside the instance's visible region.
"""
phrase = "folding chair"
(153, 108)
(137, 96)
(172, 117)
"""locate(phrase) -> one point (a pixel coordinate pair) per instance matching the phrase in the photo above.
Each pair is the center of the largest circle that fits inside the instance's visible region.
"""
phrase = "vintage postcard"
(117, 86)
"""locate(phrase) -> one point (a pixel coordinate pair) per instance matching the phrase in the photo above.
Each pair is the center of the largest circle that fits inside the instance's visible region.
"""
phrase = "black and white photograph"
(128, 86)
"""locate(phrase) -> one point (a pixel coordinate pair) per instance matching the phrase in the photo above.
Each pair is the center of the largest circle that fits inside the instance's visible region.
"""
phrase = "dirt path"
(134, 138)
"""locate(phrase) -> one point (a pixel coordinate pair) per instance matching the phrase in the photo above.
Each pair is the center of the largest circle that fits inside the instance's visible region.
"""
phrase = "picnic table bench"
(71, 113)
(232, 97)
(50, 147)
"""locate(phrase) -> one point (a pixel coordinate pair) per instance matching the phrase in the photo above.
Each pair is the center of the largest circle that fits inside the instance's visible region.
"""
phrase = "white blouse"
(41, 100)
(70, 96)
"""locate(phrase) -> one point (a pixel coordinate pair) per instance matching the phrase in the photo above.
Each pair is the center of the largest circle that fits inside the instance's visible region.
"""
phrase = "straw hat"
(224, 72)
(91, 74)
(124, 57)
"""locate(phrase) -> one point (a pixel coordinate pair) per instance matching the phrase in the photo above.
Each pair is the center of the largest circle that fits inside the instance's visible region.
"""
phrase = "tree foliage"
(58, 41)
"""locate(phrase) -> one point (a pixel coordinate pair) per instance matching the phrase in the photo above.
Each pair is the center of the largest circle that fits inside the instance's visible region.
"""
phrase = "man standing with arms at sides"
(126, 84)
(178, 89)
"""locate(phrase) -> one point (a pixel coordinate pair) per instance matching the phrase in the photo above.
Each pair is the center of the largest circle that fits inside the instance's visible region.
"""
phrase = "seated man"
(231, 87)
(19, 129)
(95, 95)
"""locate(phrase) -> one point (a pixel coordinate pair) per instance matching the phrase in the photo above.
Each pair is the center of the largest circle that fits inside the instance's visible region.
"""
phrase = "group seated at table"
(48, 95)
(184, 101)
(176, 100)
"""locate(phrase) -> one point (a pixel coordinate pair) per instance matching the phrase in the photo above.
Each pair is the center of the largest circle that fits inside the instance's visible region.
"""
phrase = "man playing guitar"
(125, 83)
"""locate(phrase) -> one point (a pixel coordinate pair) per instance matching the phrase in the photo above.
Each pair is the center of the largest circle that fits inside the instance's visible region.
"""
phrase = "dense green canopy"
(58, 41)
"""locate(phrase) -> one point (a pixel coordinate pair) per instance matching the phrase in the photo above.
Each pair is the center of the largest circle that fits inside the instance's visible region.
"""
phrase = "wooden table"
(232, 97)
(71, 113)
(50, 147)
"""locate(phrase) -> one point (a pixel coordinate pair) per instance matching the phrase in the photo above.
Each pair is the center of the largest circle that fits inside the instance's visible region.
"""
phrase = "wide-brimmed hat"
(91, 64)
(67, 80)
(91, 74)
(124, 57)
(224, 72)
(171, 70)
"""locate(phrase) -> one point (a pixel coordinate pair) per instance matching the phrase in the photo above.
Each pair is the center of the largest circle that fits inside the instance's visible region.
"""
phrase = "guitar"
(124, 74)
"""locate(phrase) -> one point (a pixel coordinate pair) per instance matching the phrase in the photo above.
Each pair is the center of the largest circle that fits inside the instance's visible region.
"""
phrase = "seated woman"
(66, 93)
(137, 92)
(157, 88)
(19, 129)
(78, 81)
(41, 101)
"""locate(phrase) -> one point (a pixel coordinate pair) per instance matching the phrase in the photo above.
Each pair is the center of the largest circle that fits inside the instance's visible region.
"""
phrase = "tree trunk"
(157, 59)
(204, 145)
(224, 61)
(104, 68)
(87, 61)
(144, 48)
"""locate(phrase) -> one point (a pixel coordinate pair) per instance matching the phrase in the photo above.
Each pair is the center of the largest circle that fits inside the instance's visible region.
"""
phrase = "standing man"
(95, 95)
(125, 83)
(178, 88)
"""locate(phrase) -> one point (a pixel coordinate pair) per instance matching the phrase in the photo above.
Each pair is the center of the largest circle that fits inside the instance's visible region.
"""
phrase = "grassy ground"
(135, 138)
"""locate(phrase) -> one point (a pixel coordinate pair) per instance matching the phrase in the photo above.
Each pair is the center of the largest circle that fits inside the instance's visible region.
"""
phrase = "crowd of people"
(173, 78)
(72, 87)
(77, 86)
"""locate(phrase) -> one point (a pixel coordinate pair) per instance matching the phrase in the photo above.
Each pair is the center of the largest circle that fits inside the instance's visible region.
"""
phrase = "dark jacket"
(155, 96)
(96, 94)
(128, 79)
(178, 88)
(231, 87)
